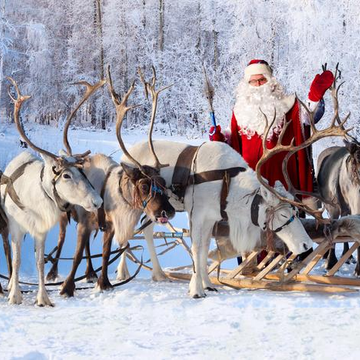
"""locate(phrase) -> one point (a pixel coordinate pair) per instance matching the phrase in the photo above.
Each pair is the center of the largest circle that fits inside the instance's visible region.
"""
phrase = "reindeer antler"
(150, 88)
(18, 101)
(90, 89)
(121, 110)
(291, 149)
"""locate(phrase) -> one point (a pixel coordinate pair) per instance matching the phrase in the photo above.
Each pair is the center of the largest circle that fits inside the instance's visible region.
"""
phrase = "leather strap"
(257, 200)
(9, 181)
(101, 210)
(180, 179)
(214, 175)
(224, 193)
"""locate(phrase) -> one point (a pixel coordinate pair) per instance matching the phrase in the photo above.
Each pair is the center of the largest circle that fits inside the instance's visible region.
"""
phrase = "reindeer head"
(61, 177)
(149, 193)
(65, 182)
(282, 218)
(149, 188)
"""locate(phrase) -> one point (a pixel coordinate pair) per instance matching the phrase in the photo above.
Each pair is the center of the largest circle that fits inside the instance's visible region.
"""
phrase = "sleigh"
(279, 270)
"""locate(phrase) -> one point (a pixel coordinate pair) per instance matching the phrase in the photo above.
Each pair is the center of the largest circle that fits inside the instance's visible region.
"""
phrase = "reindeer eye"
(66, 176)
(283, 215)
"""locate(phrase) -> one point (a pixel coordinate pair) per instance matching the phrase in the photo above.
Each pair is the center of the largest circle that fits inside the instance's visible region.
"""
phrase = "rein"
(270, 212)
(118, 252)
(9, 181)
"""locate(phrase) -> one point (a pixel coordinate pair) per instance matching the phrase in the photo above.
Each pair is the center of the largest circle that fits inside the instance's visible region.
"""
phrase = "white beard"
(267, 97)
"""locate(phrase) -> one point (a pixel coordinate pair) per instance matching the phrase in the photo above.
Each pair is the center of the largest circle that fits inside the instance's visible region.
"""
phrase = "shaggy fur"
(123, 210)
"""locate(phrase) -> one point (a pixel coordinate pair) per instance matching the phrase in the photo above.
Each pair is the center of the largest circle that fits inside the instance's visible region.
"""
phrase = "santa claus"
(259, 93)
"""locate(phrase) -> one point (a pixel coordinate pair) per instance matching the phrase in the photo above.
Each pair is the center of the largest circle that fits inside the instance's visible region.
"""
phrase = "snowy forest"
(47, 45)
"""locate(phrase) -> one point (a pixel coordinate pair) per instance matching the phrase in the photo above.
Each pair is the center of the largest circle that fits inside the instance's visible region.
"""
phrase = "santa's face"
(258, 99)
(257, 80)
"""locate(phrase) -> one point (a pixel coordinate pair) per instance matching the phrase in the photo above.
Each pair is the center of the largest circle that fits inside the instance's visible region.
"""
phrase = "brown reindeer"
(127, 192)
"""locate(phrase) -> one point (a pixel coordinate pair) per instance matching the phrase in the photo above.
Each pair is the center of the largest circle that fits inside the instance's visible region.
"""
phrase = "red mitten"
(215, 134)
(320, 84)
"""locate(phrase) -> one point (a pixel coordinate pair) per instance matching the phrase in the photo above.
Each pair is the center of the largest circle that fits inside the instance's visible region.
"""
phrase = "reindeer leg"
(42, 297)
(83, 235)
(351, 259)
(157, 272)
(196, 289)
(7, 250)
(53, 273)
(15, 296)
(90, 273)
(332, 259)
(122, 269)
(207, 285)
(103, 282)
(357, 268)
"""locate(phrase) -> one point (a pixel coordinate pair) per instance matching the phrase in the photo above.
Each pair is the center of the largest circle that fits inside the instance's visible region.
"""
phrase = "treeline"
(46, 45)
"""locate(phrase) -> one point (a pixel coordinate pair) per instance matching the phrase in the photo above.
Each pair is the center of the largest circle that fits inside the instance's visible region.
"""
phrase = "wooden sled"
(280, 272)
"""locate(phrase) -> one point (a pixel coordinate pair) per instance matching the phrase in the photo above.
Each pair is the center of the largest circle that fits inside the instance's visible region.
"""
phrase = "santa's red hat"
(256, 67)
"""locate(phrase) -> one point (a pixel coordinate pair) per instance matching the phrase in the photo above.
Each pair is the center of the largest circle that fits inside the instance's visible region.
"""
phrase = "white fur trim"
(304, 116)
(289, 102)
(256, 69)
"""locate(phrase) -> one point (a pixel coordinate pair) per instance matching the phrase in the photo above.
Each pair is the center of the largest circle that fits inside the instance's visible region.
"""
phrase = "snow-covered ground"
(144, 319)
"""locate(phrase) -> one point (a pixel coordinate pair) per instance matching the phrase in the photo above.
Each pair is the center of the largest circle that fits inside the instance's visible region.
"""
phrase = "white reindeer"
(202, 200)
(202, 203)
(44, 189)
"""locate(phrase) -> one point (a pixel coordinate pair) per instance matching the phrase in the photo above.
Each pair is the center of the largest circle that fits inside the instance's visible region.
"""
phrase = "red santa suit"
(299, 165)
(248, 124)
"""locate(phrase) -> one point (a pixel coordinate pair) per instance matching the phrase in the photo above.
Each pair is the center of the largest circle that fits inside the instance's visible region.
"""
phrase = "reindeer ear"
(266, 194)
(131, 172)
(48, 160)
(350, 146)
(86, 162)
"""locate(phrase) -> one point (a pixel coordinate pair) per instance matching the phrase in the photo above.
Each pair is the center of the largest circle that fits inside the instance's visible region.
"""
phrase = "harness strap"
(62, 205)
(9, 181)
(180, 179)
(257, 200)
(101, 211)
(213, 175)
(223, 196)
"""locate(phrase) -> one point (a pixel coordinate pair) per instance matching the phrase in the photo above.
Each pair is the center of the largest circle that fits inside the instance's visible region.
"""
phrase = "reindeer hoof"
(198, 296)
(52, 276)
(103, 284)
(68, 289)
(350, 260)
(43, 301)
(161, 276)
(15, 298)
(91, 277)
(211, 289)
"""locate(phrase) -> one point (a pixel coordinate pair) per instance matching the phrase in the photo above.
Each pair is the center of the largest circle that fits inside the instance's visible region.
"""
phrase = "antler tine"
(150, 88)
(90, 89)
(17, 106)
(121, 110)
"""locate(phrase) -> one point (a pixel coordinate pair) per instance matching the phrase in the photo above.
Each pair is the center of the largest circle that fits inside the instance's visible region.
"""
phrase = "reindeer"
(127, 193)
(44, 189)
(248, 202)
(338, 177)
(65, 217)
(339, 182)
